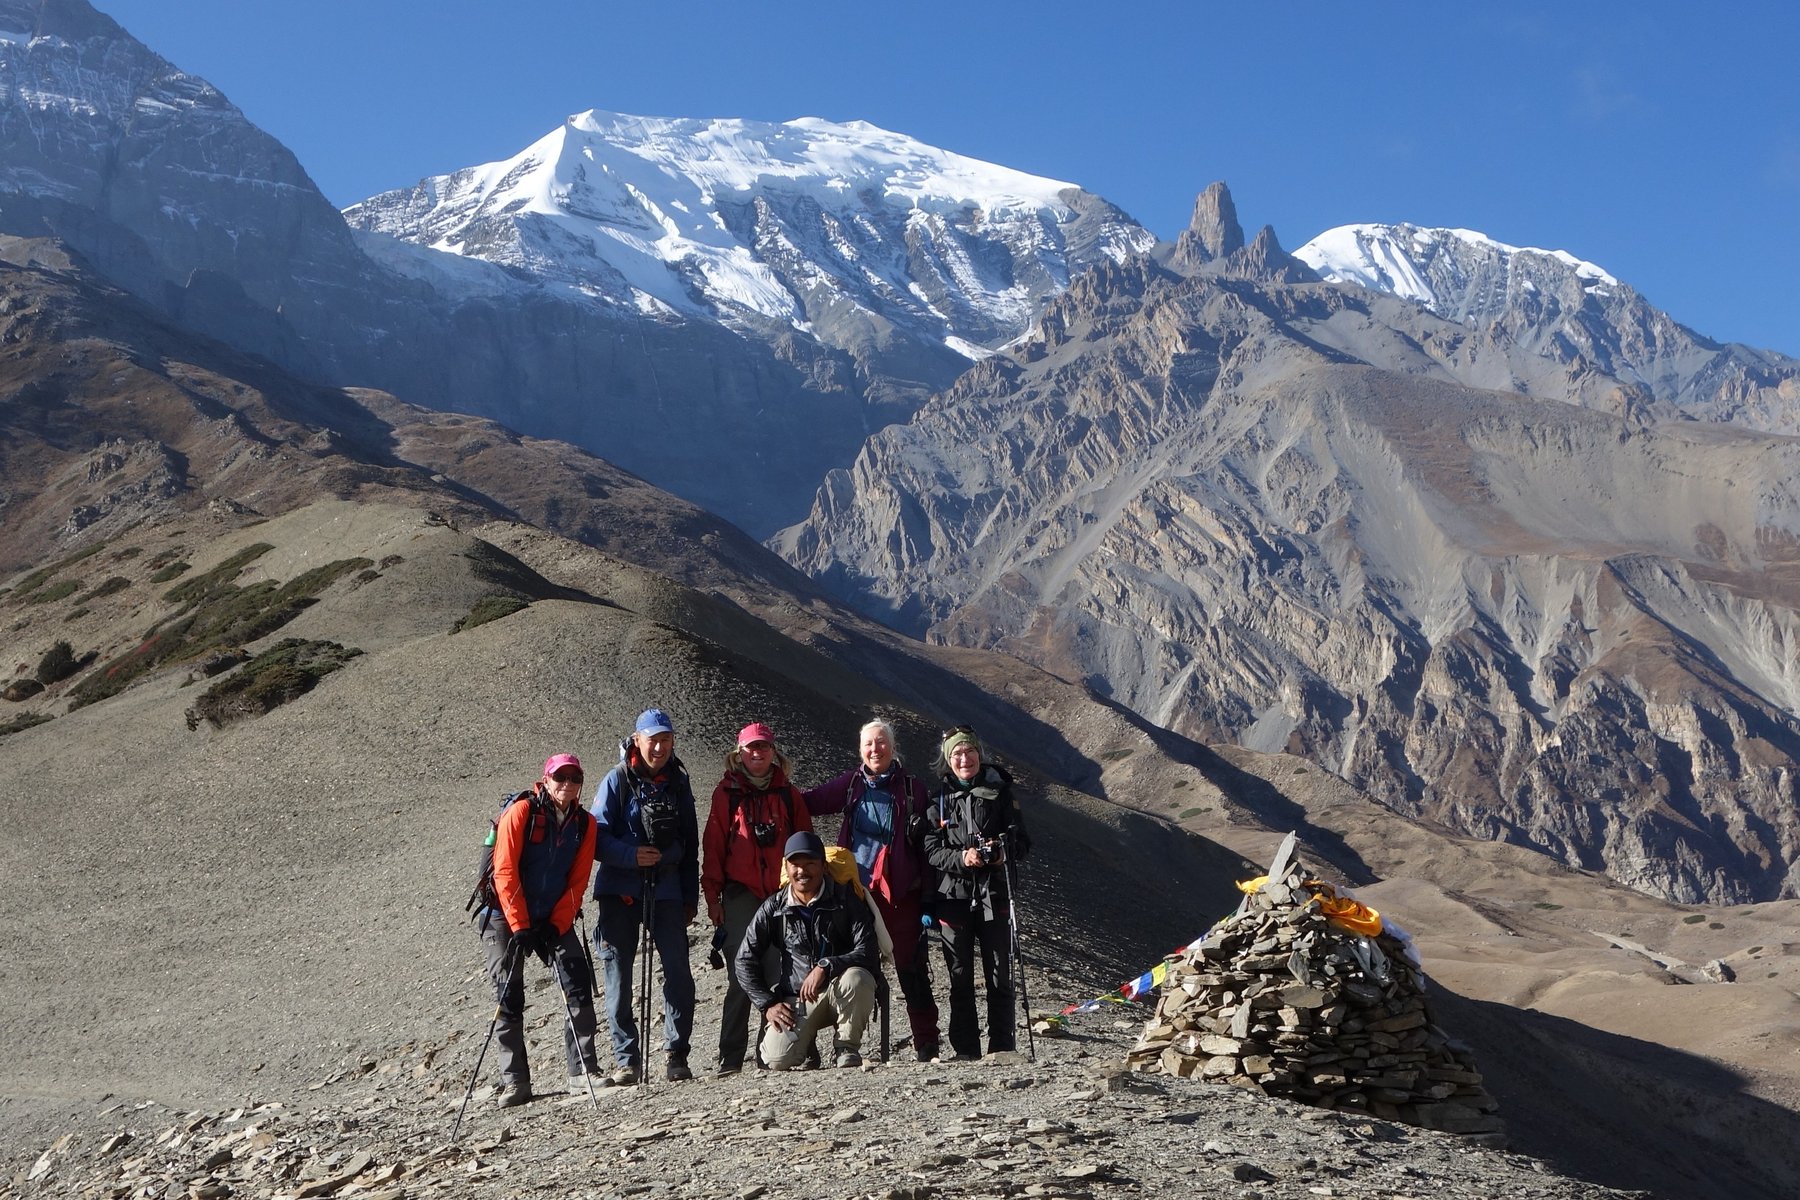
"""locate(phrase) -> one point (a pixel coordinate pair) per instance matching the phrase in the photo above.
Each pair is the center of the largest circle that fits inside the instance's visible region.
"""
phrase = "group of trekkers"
(804, 949)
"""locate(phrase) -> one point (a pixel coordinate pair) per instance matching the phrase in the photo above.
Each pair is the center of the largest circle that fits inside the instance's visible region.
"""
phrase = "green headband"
(961, 737)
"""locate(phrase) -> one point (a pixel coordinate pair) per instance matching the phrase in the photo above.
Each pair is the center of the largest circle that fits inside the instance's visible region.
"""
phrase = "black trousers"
(963, 931)
(570, 965)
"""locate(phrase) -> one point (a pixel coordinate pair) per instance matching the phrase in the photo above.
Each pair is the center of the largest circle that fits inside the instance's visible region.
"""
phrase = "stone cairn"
(1279, 999)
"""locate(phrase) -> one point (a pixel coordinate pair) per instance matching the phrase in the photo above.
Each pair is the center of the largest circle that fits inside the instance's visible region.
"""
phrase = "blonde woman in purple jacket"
(885, 813)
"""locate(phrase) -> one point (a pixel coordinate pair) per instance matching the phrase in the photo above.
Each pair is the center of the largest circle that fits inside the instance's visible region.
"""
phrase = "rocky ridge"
(1569, 314)
(1071, 1124)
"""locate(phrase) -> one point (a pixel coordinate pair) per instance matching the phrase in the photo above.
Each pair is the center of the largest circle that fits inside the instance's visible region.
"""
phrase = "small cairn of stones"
(1280, 999)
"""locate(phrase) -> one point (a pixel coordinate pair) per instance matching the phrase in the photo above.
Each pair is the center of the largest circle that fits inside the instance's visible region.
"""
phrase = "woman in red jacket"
(885, 816)
(754, 811)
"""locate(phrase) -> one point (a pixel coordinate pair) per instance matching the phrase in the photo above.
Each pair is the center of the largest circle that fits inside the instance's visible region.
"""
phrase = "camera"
(765, 832)
(986, 852)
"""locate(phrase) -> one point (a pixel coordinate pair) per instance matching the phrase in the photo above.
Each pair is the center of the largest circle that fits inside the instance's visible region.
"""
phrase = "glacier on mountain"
(1432, 267)
(759, 225)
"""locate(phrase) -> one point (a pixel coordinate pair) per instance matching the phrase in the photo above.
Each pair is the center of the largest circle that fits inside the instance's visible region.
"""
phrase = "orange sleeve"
(563, 915)
(508, 841)
(712, 845)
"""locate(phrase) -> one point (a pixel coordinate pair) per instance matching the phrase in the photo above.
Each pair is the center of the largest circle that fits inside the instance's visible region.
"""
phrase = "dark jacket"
(616, 809)
(906, 869)
(961, 816)
(836, 930)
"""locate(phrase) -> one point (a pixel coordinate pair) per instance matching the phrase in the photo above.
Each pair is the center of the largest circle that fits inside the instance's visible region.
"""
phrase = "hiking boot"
(849, 1058)
(677, 1071)
(512, 1095)
(578, 1084)
(927, 1053)
(727, 1069)
(622, 1077)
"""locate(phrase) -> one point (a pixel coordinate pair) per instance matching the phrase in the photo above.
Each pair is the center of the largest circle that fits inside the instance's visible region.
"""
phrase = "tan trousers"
(845, 1003)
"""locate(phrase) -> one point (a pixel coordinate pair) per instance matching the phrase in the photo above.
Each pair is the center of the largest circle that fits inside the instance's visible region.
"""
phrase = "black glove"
(544, 938)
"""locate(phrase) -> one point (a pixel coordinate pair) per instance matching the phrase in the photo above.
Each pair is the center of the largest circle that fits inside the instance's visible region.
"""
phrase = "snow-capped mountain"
(1551, 305)
(834, 230)
(1456, 273)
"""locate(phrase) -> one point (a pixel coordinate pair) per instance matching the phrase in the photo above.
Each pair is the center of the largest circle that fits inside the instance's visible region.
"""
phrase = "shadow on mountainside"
(1626, 1113)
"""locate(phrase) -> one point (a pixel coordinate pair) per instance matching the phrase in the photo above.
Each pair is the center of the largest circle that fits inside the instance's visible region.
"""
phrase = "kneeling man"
(824, 960)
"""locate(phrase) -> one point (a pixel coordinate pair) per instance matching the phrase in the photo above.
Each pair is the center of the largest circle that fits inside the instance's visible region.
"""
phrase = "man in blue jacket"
(649, 854)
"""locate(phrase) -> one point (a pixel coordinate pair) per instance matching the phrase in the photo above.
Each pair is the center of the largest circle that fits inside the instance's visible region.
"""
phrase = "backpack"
(484, 896)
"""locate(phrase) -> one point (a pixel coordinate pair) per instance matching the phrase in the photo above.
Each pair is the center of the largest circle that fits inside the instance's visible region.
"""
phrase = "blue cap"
(805, 844)
(654, 721)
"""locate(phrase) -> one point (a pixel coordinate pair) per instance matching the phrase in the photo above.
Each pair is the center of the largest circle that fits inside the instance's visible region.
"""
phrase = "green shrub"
(1546, 906)
(290, 668)
(1694, 919)
(117, 583)
(58, 664)
(171, 571)
(490, 608)
(165, 557)
(1715, 925)
(196, 589)
(128, 552)
(21, 689)
(1302, 771)
(22, 721)
(1187, 813)
(61, 589)
(217, 614)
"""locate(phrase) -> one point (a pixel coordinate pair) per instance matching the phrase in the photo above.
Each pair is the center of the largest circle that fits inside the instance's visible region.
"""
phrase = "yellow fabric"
(1341, 911)
(842, 865)
(1344, 912)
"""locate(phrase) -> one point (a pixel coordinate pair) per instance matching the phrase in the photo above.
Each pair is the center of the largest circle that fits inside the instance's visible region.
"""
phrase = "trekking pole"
(648, 954)
(587, 949)
(562, 981)
(1012, 920)
(513, 959)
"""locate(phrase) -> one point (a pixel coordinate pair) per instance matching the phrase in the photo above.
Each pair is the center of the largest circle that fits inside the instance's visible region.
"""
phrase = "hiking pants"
(740, 904)
(569, 963)
(912, 967)
(621, 928)
(964, 929)
(845, 1004)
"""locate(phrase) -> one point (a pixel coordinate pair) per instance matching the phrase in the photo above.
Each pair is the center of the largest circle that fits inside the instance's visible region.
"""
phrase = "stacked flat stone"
(1278, 1000)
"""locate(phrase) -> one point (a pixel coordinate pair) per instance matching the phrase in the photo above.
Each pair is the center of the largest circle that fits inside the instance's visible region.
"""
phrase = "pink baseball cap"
(557, 762)
(756, 731)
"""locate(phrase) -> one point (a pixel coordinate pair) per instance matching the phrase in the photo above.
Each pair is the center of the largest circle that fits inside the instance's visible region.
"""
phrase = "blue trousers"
(620, 926)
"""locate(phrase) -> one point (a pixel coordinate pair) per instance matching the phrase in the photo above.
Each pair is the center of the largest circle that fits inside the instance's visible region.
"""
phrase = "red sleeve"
(563, 915)
(712, 845)
(802, 812)
(509, 839)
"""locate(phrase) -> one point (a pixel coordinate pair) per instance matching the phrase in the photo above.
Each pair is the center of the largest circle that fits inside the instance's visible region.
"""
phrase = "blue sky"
(1660, 141)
